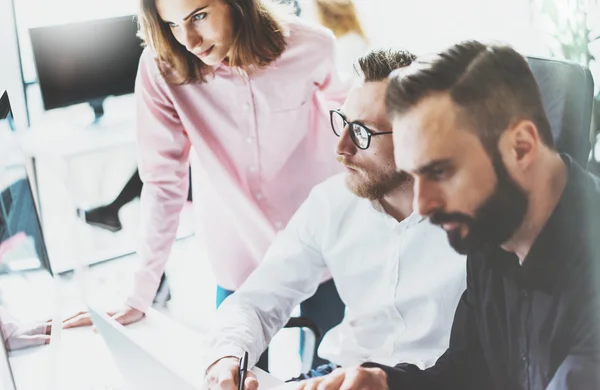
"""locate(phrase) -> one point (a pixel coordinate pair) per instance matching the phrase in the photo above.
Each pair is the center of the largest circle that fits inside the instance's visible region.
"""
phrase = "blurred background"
(79, 130)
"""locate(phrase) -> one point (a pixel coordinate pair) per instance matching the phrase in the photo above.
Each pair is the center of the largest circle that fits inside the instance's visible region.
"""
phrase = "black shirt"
(534, 326)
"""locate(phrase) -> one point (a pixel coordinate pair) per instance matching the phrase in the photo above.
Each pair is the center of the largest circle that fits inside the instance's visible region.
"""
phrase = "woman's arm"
(163, 148)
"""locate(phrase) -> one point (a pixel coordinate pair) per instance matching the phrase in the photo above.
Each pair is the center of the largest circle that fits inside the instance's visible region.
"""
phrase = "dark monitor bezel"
(93, 99)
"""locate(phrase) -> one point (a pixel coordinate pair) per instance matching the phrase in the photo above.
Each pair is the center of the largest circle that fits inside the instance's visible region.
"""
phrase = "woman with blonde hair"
(341, 18)
(239, 88)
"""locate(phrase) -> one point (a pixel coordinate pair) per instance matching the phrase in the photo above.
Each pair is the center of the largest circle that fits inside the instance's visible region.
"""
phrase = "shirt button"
(249, 140)
(246, 106)
(524, 294)
(278, 225)
(253, 168)
(259, 196)
(522, 344)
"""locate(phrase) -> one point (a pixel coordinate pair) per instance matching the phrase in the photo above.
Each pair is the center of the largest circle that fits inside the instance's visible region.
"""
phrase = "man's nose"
(345, 146)
(427, 197)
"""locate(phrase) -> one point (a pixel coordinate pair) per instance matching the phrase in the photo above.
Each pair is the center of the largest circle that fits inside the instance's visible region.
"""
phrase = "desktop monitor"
(7, 381)
(26, 298)
(86, 61)
(22, 245)
(5, 112)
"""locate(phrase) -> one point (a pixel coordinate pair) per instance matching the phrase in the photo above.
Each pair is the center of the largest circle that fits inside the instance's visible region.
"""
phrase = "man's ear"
(523, 140)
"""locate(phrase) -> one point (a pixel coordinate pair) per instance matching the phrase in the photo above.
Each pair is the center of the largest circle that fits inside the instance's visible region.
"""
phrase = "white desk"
(67, 141)
(81, 361)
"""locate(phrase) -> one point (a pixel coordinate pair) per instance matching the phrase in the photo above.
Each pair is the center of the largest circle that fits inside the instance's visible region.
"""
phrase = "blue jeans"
(322, 370)
(222, 294)
(325, 308)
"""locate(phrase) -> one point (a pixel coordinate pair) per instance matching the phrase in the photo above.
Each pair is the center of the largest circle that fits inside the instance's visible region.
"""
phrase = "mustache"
(343, 161)
(439, 218)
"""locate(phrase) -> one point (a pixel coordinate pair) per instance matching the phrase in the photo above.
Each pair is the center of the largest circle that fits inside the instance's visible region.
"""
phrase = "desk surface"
(68, 141)
(82, 361)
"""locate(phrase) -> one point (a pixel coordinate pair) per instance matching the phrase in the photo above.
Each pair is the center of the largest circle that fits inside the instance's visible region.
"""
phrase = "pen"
(242, 371)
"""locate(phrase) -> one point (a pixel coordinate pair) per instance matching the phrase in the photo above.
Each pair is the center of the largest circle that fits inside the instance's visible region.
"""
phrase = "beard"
(495, 221)
(375, 185)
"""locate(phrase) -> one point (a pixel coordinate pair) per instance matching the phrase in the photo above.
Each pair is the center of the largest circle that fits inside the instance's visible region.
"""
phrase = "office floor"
(93, 179)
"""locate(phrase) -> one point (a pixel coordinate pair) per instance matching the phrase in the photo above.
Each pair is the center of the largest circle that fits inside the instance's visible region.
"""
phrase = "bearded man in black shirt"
(470, 128)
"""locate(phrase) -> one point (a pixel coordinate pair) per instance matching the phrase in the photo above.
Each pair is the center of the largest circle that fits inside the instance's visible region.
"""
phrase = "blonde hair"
(339, 16)
(259, 39)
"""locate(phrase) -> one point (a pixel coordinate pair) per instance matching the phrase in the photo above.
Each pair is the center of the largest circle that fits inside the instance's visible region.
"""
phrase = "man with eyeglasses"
(395, 271)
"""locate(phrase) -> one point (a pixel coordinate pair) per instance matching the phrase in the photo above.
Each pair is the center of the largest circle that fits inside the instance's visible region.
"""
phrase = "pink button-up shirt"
(257, 144)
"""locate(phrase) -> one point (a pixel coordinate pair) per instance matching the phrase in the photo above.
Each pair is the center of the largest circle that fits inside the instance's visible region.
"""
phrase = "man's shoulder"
(582, 197)
(334, 195)
(335, 187)
(593, 184)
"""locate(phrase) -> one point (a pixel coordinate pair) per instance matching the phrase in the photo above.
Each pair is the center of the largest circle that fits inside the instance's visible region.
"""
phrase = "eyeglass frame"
(348, 124)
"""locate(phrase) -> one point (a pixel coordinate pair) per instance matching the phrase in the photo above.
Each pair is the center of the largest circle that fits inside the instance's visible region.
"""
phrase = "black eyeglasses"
(359, 133)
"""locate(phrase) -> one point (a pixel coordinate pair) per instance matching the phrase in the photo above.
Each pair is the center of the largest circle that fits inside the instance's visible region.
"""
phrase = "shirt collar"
(412, 220)
(565, 233)
(221, 68)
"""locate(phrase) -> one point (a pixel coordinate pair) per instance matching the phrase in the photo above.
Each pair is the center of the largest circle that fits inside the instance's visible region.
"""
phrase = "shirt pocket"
(285, 93)
(287, 104)
(376, 332)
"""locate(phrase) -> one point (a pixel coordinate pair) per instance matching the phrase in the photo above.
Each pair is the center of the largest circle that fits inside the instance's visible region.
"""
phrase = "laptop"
(142, 369)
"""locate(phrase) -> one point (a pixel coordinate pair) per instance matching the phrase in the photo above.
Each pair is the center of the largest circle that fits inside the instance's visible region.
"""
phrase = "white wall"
(424, 26)
(10, 75)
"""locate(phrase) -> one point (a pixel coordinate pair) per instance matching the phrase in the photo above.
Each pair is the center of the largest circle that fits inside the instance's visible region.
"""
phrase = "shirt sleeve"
(291, 272)
(332, 86)
(163, 148)
(576, 372)
(579, 369)
(18, 335)
(462, 366)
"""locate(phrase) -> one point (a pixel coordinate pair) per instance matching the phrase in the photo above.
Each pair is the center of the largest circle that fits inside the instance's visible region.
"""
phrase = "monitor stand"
(98, 107)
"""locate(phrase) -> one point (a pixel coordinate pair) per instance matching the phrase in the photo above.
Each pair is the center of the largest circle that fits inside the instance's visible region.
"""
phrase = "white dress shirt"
(400, 281)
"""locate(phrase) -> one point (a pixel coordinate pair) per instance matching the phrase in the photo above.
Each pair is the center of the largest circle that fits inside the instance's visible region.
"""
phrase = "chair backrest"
(567, 92)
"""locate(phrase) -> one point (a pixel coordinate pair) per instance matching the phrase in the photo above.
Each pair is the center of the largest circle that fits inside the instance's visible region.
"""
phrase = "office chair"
(567, 92)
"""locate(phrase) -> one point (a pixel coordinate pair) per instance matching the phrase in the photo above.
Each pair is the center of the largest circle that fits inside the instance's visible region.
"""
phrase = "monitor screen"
(86, 61)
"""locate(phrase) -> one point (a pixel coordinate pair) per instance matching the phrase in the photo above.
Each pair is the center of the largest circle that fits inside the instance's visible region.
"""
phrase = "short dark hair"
(492, 85)
(377, 64)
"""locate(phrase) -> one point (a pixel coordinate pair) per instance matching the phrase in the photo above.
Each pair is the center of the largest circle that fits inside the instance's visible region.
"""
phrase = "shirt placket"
(400, 235)
(524, 326)
(253, 141)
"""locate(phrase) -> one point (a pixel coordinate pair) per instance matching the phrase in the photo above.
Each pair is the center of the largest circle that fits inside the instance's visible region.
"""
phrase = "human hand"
(31, 335)
(353, 378)
(126, 316)
(223, 375)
